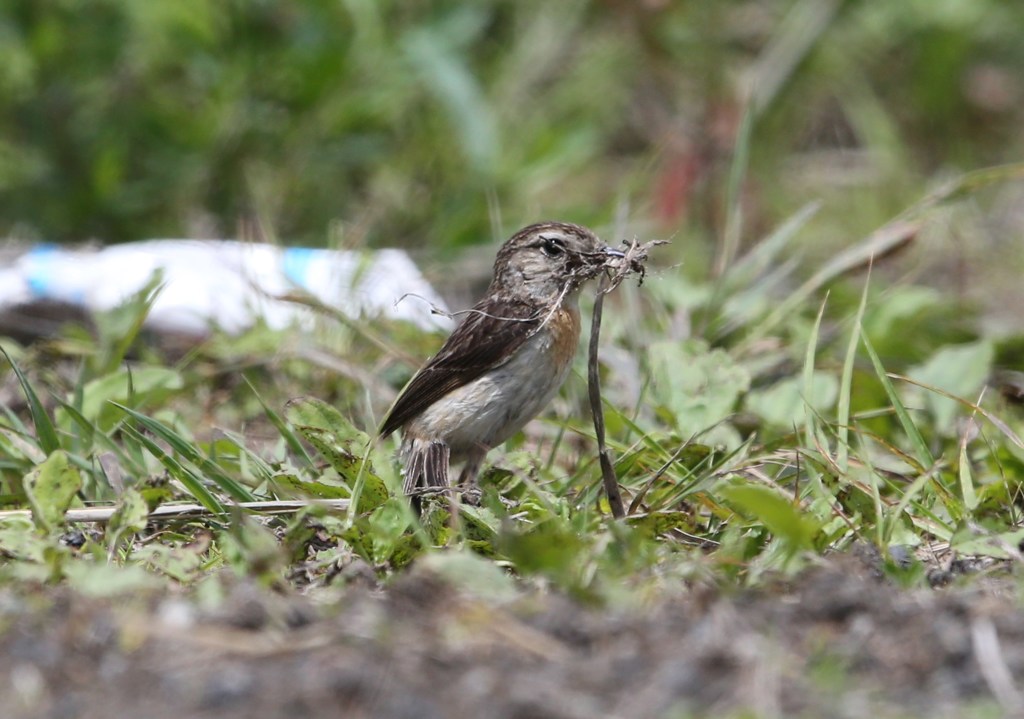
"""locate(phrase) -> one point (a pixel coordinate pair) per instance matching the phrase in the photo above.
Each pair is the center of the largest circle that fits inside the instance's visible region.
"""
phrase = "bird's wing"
(490, 334)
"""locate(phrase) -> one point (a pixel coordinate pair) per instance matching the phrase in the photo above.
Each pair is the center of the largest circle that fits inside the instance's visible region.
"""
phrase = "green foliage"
(412, 123)
(337, 441)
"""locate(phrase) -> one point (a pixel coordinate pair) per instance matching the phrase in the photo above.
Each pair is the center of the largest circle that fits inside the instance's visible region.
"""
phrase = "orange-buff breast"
(565, 334)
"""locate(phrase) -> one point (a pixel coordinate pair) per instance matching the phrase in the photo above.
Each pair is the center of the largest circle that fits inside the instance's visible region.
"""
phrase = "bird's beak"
(612, 252)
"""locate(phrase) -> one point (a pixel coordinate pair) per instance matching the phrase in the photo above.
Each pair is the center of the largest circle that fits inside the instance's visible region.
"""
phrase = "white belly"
(489, 410)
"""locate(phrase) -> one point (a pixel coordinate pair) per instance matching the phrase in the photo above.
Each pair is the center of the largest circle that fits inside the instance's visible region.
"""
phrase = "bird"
(504, 362)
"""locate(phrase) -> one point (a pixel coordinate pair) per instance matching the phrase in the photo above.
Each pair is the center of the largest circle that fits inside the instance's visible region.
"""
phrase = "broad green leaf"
(341, 444)
(50, 488)
(138, 385)
(846, 383)
(654, 524)
(784, 404)
(886, 322)
(1002, 545)
(551, 548)
(781, 516)
(372, 494)
(337, 453)
(312, 413)
(289, 485)
(699, 386)
(966, 475)
(19, 540)
(960, 370)
(480, 527)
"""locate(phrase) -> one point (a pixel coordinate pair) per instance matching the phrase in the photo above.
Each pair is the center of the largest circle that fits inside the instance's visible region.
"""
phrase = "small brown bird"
(504, 362)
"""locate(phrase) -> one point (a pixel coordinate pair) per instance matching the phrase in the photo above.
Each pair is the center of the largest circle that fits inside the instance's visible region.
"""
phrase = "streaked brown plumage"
(505, 361)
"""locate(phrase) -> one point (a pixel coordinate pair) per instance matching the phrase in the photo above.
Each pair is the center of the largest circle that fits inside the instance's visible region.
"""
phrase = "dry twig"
(188, 511)
(632, 262)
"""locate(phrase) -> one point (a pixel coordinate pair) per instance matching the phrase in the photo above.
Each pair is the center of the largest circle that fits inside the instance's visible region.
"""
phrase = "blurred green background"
(441, 124)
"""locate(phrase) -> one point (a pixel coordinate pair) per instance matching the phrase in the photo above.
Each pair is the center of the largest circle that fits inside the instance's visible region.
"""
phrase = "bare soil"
(838, 641)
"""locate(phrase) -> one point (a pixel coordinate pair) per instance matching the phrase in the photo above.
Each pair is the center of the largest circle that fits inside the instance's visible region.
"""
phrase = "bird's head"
(549, 260)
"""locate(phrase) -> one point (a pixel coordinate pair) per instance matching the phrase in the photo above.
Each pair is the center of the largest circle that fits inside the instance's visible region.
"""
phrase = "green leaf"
(339, 442)
(141, 384)
(846, 383)
(333, 436)
(654, 524)
(50, 488)
(785, 403)
(960, 370)
(782, 518)
(552, 548)
(372, 494)
(129, 517)
(312, 413)
(19, 540)
(699, 386)
(1001, 545)
(970, 497)
(289, 485)
(480, 527)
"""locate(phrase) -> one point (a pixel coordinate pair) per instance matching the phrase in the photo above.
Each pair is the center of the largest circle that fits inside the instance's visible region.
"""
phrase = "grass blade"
(189, 451)
(975, 408)
(920, 447)
(46, 434)
(193, 483)
(846, 383)
(885, 239)
(284, 429)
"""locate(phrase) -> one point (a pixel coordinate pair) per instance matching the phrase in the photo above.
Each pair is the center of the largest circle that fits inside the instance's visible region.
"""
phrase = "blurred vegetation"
(447, 123)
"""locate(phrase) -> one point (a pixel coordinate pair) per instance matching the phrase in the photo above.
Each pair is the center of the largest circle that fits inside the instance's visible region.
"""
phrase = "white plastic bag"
(224, 283)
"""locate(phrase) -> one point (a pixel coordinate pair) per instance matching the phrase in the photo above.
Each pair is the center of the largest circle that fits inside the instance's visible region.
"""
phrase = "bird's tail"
(426, 464)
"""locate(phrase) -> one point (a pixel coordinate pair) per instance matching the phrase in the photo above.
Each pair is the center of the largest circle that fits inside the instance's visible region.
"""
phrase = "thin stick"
(101, 515)
(611, 482)
(631, 261)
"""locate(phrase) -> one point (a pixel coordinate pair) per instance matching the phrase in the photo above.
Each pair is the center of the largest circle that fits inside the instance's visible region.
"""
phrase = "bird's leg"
(470, 474)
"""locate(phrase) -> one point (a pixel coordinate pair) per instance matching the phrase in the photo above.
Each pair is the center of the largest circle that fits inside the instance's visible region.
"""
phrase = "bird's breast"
(564, 327)
(493, 407)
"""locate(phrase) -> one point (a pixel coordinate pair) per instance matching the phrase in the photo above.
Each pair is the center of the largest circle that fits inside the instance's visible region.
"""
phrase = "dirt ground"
(838, 641)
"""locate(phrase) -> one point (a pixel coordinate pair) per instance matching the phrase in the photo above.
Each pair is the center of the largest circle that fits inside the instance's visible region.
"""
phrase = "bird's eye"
(552, 247)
